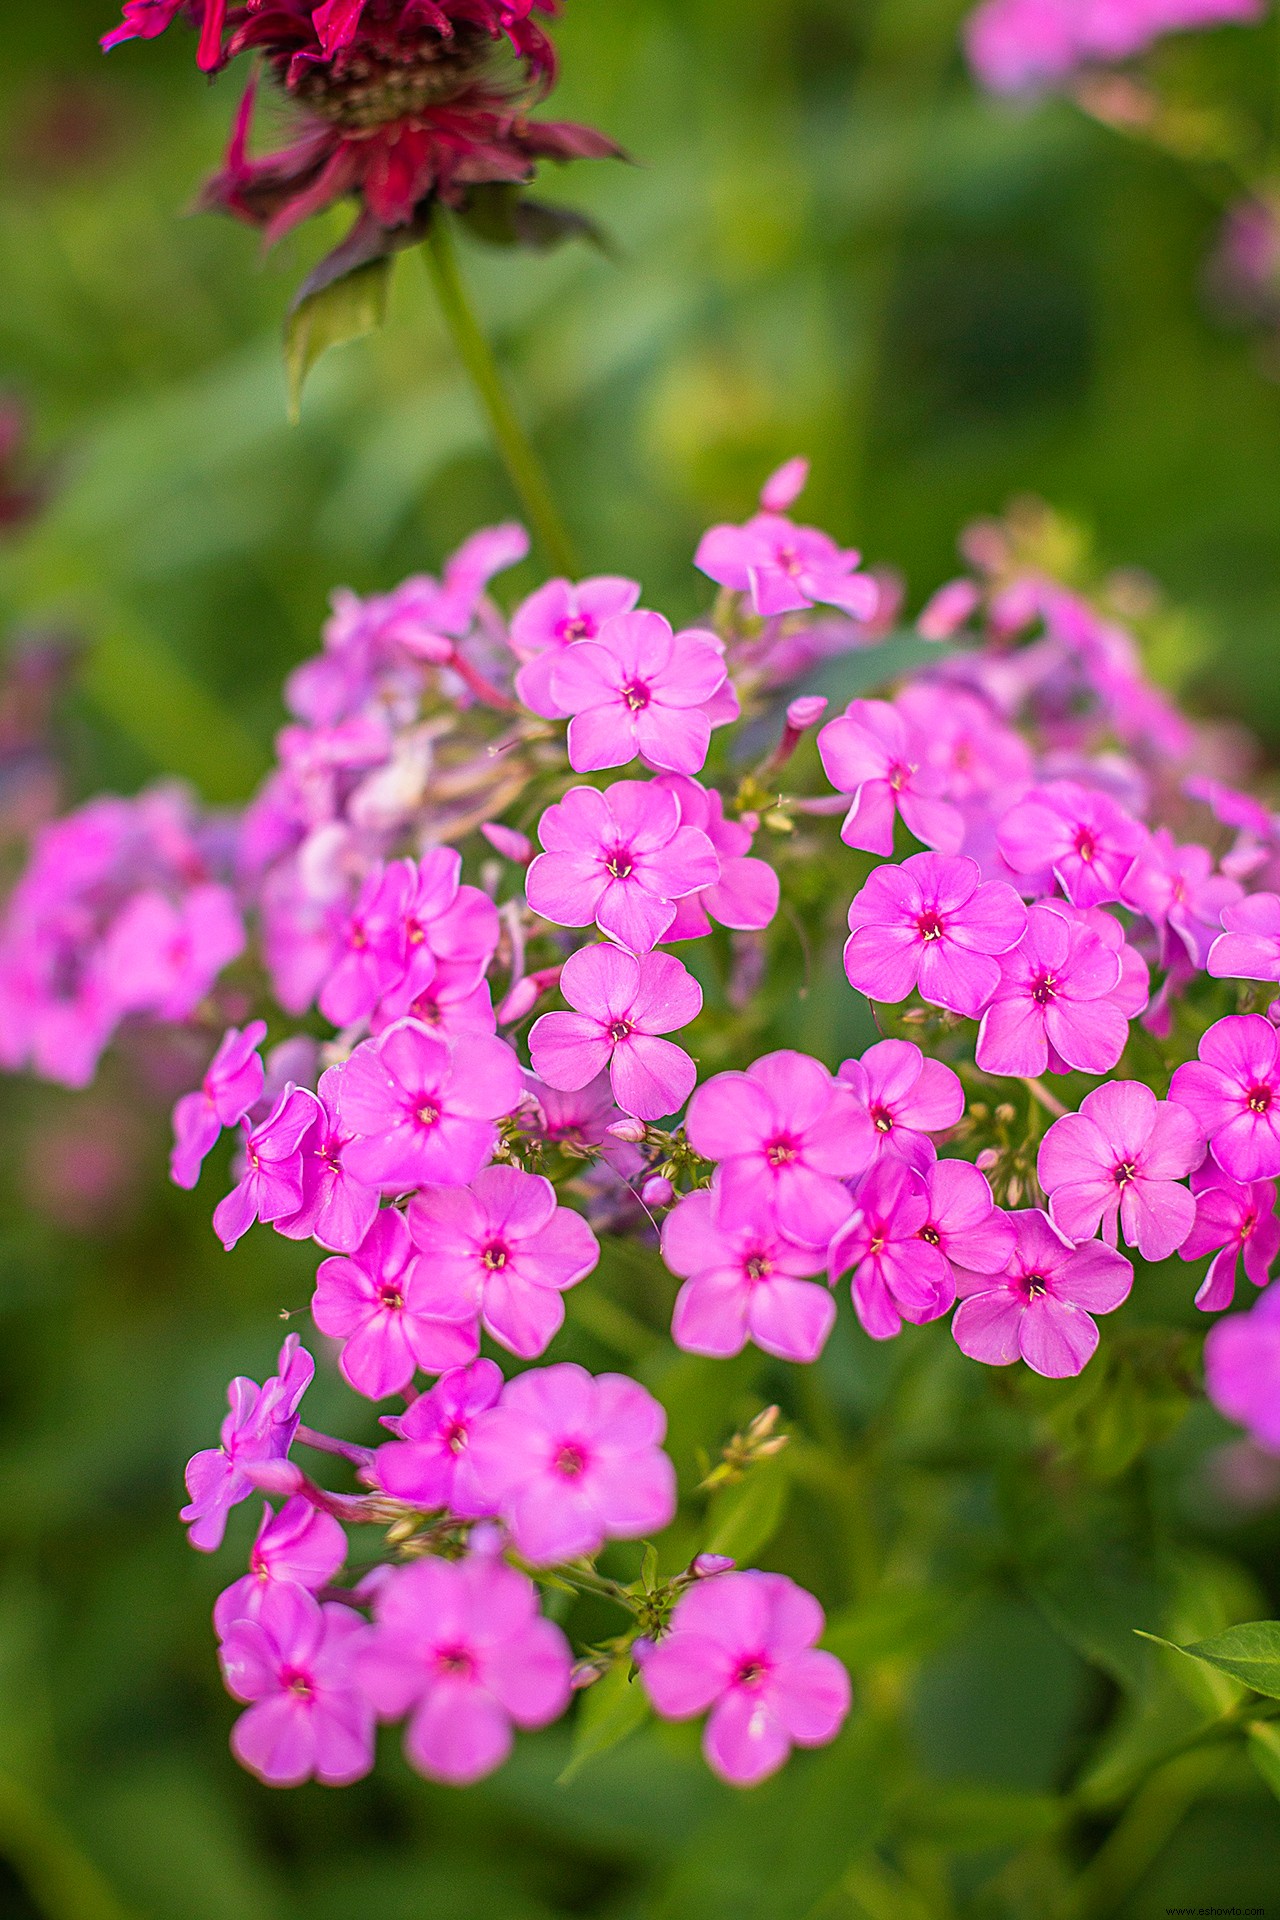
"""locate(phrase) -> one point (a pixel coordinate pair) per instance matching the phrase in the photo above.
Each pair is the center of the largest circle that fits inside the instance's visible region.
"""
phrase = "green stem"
(513, 443)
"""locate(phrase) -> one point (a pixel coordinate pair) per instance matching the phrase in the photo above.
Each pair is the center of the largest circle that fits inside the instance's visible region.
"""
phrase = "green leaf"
(1249, 1653)
(971, 1819)
(1264, 1751)
(745, 1517)
(610, 1712)
(346, 309)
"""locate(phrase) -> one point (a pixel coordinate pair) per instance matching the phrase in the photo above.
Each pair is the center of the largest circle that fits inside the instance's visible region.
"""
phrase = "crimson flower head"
(399, 103)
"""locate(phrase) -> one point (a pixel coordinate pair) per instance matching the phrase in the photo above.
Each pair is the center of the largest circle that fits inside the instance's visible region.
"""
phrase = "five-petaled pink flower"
(337, 1210)
(743, 1282)
(639, 691)
(1233, 1093)
(1185, 900)
(429, 1461)
(387, 1309)
(1242, 1369)
(571, 1461)
(622, 1004)
(1249, 949)
(259, 1428)
(299, 1545)
(459, 1645)
(963, 1221)
(1078, 835)
(897, 1274)
(786, 1135)
(743, 1645)
(554, 618)
(1040, 1307)
(1058, 1002)
(231, 1085)
(906, 1098)
(1232, 1218)
(1119, 1163)
(935, 924)
(622, 858)
(871, 753)
(422, 1110)
(295, 1662)
(501, 1252)
(786, 568)
(162, 958)
(270, 1187)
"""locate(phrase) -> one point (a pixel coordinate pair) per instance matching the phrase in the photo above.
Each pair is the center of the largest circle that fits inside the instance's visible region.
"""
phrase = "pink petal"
(1056, 1338)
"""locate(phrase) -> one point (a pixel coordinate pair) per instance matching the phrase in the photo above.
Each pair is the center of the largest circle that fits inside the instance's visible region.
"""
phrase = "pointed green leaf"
(345, 309)
(609, 1711)
(1264, 1751)
(1249, 1653)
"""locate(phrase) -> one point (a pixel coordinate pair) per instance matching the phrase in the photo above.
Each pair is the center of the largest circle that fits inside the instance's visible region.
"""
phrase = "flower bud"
(631, 1130)
(783, 488)
(807, 711)
(657, 1191)
(948, 610)
(506, 841)
(705, 1565)
(521, 1000)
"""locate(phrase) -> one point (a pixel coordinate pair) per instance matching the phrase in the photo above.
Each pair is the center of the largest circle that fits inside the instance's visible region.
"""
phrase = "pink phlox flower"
(1242, 1369)
(1041, 1307)
(1056, 1004)
(1249, 949)
(428, 1464)
(423, 1110)
(456, 1001)
(963, 1221)
(461, 1647)
(638, 691)
(1185, 900)
(1232, 1218)
(906, 1098)
(382, 1304)
(935, 924)
(622, 1003)
(502, 1252)
(746, 895)
(1080, 836)
(622, 857)
(554, 618)
(786, 1135)
(743, 1282)
(371, 956)
(448, 933)
(1233, 1093)
(232, 1083)
(162, 957)
(1117, 1165)
(337, 1209)
(949, 609)
(299, 1545)
(896, 1275)
(872, 753)
(296, 1664)
(578, 1119)
(786, 568)
(1018, 46)
(260, 1427)
(270, 1187)
(571, 1461)
(966, 742)
(743, 1646)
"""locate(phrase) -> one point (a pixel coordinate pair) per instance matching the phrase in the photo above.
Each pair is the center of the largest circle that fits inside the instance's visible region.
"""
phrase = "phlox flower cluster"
(1018, 46)
(1065, 916)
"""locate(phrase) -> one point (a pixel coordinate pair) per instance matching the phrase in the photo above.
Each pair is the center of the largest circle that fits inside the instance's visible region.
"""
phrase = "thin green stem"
(522, 463)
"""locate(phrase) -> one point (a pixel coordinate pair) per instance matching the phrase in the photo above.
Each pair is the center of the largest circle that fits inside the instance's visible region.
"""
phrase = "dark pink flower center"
(571, 1461)
(877, 1243)
(758, 1267)
(619, 865)
(1035, 1285)
(620, 1030)
(1085, 844)
(1124, 1173)
(930, 926)
(780, 1152)
(455, 1661)
(580, 627)
(1260, 1099)
(427, 1115)
(1044, 989)
(298, 1684)
(1247, 1224)
(751, 1672)
(391, 1297)
(636, 695)
(787, 558)
(494, 1257)
(455, 1437)
(899, 776)
(882, 1119)
(930, 1235)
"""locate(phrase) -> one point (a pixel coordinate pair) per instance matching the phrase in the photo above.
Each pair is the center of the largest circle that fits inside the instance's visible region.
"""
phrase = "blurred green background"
(829, 243)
